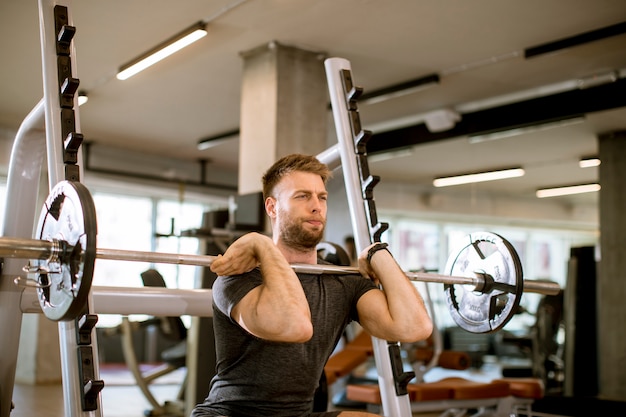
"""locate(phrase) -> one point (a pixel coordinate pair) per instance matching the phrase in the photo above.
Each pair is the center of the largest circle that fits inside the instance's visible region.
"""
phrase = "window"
(123, 223)
(417, 246)
(423, 245)
(148, 225)
(171, 219)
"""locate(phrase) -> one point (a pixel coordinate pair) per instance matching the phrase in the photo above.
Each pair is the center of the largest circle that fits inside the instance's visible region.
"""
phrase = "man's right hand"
(242, 255)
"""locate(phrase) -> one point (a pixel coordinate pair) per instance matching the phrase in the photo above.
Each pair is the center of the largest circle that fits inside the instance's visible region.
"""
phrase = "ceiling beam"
(580, 39)
(532, 112)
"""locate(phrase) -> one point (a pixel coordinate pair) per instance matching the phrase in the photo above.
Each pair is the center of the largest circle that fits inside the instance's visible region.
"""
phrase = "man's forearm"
(406, 305)
(280, 309)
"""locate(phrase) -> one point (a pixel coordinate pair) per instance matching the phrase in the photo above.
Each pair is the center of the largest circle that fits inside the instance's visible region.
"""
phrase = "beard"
(297, 237)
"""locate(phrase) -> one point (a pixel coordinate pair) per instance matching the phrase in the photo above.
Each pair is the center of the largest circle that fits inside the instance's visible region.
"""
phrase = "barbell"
(483, 280)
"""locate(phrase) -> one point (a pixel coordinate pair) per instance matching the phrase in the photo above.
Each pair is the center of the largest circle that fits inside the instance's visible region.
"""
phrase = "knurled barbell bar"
(483, 281)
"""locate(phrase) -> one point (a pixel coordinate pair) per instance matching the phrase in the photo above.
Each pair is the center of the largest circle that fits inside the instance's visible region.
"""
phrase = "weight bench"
(346, 360)
(454, 396)
(524, 391)
(360, 349)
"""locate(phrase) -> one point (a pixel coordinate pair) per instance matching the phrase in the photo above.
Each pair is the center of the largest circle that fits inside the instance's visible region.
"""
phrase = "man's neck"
(298, 257)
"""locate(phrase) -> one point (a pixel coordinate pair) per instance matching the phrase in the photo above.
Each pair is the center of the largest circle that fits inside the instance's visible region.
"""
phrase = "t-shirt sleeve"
(361, 286)
(229, 290)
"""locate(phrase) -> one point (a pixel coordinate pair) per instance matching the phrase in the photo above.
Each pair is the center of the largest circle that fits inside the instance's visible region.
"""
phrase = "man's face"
(300, 210)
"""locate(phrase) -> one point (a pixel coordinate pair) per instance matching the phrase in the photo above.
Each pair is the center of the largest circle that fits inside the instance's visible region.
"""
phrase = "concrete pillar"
(612, 270)
(284, 108)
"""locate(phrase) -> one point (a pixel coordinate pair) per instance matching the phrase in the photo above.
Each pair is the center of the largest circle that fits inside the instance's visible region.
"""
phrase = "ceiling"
(479, 50)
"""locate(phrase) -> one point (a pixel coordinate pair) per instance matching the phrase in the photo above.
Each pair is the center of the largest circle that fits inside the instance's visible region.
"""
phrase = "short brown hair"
(292, 163)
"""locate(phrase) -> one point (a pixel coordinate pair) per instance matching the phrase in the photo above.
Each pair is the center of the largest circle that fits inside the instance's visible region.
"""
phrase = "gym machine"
(483, 280)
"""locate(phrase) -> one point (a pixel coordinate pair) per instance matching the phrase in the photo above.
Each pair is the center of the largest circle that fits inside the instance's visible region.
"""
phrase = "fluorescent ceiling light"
(213, 141)
(567, 190)
(162, 51)
(82, 98)
(589, 162)
(478, 177)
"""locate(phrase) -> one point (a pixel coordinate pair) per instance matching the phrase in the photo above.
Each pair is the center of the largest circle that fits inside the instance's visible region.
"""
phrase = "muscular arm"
(397, 313)
(277, 309)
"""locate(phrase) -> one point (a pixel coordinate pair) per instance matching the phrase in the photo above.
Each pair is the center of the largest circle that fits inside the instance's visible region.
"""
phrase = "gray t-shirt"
(256, 377)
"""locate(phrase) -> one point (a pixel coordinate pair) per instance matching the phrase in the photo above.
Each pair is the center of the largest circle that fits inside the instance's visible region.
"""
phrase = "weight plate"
(68, 216)
(486, 308)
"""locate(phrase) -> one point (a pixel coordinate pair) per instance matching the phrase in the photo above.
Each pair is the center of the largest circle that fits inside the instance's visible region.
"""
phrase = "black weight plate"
(68, 215)
(488, 309)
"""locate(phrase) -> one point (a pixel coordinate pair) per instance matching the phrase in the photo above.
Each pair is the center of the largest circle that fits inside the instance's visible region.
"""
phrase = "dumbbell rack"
(359, 183)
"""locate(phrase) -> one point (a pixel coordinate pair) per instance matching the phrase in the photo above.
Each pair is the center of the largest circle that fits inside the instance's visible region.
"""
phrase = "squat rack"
(51, 118)
(56, 118)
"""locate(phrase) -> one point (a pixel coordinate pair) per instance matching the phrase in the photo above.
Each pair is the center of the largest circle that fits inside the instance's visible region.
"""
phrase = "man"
(274, 328)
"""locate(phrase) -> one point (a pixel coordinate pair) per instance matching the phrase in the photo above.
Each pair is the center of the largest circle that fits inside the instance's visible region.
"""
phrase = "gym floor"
(120, 396)
(119, 399)
(127, 401)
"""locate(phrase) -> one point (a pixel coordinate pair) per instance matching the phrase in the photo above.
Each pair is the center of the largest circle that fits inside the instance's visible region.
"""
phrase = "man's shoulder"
(229, 283)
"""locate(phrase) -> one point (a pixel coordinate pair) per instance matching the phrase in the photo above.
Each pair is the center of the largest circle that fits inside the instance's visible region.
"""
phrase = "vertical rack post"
(359, 183)
(79, 353)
